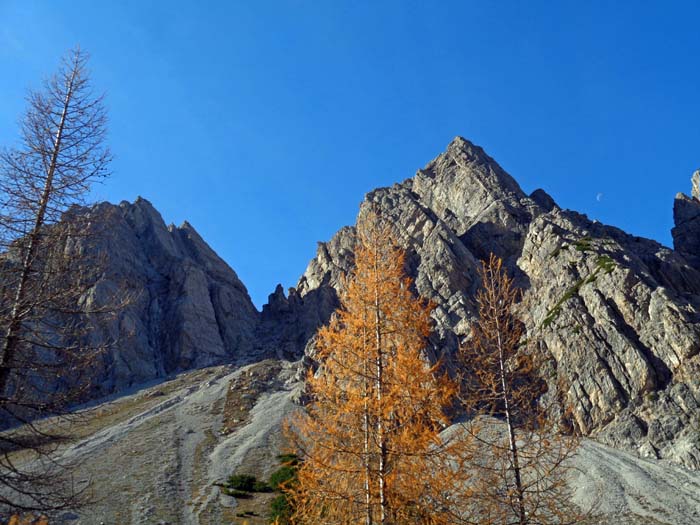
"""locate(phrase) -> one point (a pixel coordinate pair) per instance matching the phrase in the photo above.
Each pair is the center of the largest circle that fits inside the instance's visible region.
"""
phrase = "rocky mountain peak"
(465, 152)
(622, 345)
(686, 218)
(141, 209)
(467, 176)
(614, 319)
(695, 179)
(622, 349)
(185, 307)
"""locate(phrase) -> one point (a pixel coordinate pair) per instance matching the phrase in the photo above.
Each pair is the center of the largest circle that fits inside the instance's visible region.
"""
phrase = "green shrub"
(282, 476)
(241, 485)
(281, 510)
(583, 244)
(288, 459)
(241, 482)
(261, 486)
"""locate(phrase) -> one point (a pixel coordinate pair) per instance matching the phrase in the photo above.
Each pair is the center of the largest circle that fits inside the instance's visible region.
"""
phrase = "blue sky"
(264, 123)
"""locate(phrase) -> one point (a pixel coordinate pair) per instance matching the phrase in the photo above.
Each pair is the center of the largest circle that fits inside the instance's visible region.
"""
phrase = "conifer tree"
(370, 438)
(62, 152)
(522, 472)
(48, 264)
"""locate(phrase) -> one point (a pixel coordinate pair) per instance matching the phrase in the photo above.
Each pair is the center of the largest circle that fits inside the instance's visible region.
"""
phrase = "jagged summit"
(625, 345)
(464, 185)
(464, 158)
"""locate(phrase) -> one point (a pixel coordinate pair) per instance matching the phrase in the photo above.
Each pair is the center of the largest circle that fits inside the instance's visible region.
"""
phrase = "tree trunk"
(383, 504)
(519, 493)
(365, 429)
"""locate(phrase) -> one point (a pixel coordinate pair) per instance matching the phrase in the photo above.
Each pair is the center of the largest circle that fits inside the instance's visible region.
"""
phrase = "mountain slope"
(617, 316)
(624, 345)
(157, 455)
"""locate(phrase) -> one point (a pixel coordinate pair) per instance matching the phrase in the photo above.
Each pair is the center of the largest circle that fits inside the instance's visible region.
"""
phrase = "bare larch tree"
(46, 264)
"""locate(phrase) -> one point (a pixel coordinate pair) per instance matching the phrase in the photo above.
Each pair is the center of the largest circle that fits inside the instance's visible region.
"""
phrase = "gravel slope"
(161, 466)
(156, 455)
(629, 489)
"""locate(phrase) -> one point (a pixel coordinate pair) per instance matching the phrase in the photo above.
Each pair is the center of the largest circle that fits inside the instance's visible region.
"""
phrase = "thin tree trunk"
(383, 504)
(511, 431)
(9, 347)
(365, 425)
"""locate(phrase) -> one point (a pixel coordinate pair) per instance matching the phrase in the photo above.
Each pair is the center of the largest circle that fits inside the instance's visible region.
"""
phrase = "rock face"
(617, 317)
(185, 307)
(625, 344)
(686, 217)
(287, 324)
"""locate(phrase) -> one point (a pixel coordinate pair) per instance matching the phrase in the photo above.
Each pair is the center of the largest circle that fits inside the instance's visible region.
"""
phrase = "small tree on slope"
(521, 476)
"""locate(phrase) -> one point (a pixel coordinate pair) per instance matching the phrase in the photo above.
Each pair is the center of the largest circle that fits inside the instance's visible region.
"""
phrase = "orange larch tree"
(369, 439)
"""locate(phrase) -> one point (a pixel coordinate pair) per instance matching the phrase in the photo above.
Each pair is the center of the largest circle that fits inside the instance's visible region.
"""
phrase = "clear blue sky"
(264, 123)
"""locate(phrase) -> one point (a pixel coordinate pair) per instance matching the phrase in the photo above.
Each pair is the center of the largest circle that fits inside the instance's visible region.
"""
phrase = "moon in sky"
(599, 197)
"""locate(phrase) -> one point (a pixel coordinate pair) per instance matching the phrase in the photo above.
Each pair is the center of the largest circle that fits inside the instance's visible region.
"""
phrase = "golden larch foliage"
(27, 519)
(369, 440)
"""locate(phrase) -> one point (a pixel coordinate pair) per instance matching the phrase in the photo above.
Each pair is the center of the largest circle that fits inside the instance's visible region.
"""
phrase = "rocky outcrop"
(288, 323)
(625, 344)
(686, 217)
(617, 316)
(184, 307)
(181, 306)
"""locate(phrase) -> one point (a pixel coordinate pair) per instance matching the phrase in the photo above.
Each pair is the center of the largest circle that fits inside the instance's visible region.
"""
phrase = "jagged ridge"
(625, 346)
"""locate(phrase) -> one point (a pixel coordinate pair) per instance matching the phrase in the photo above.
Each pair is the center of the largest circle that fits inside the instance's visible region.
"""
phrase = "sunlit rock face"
(623, 349)
(184, 307)
(686, 217)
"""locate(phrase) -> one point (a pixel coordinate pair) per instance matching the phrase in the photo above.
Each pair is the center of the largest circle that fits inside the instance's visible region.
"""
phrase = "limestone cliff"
(617, 316)
(185, 307)
(625, 340)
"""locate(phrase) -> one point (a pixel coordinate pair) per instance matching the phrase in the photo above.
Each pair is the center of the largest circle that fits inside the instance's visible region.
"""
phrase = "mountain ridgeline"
(618, 316)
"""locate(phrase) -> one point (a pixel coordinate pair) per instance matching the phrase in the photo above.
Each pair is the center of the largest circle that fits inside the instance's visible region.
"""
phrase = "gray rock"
(545, 201)
(623, 349)
(625, 345)
(686, 218)
(184, 306)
